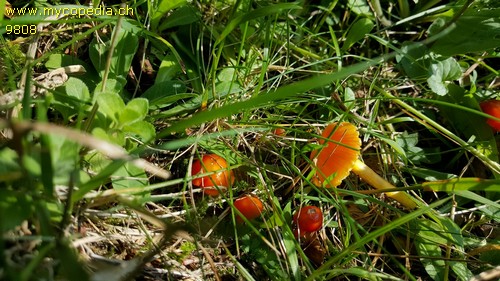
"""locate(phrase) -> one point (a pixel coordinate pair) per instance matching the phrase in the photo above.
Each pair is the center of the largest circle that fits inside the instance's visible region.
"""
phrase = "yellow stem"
(372, 178)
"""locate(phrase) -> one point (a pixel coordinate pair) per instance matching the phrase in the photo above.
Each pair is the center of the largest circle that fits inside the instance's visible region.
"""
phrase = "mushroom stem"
(372, 178)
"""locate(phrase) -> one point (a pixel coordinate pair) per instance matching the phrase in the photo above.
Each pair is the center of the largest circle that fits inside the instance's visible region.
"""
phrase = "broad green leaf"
(226, 75)
(359, 7)
(111, 105)
(169, 68)
(134, 111)
(434, 264)
(65, 158)
(98, 180)
(97, 54)
(142, 129)
(15, 207)
(77, 89)
(415, 154)
(394, 145)
(95, 159)
(169, 100)
(182, 16)
(9, 166)
(431, 232)
(477, 30)
(349, 97)
(443, 71)
(60, 60)
(461, 270)
(112, 86)
(357, 32)
(123, 55)
(164, 89)
(129, 176)
(121, 59)
(414, 61)
(163, 7)
(163, 45)
(32, 165)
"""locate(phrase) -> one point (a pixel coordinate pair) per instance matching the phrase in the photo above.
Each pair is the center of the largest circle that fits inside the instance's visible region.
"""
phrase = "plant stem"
(372, 178)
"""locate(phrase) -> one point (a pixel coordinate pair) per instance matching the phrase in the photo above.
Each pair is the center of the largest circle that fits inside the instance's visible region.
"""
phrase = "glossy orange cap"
(334, 161)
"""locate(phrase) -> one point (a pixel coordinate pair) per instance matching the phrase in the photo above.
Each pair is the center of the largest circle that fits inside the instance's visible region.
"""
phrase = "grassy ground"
(96, 175)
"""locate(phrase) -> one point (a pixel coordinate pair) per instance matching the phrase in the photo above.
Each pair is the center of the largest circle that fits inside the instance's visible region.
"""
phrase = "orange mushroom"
(340, 155)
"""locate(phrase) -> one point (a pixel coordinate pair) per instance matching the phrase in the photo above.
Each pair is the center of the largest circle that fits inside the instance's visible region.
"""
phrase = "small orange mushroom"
(221, 179)
(340, 155)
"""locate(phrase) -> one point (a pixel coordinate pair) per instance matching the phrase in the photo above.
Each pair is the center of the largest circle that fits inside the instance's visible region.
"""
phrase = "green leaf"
(142, 129)
(60, 60)
(163, 7)
(9, 166)
(415, 154)
(477, 30)
(111, 105)
(112, 86)
(441, 72)
(478, 198)
(431, 232)
(134, 111)
(129, 176)
(222, 89)
(169, 68)
(163, 45)
(182, 16)
(359, 7)
(415, 60)
(77, 89)
(463, 184)
(96, 160)
(169, 100)
(434, 264)
(461, 270)
(15, 207)
(164, 89)
(357, 32)
(126, 46)
(65, 158)
(257, 13)
(428, 174)
(469, 124)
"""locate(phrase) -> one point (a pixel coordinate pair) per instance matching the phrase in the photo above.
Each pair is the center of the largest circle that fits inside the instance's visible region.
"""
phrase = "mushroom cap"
(221, 177)
(334, 161)
(250, 207)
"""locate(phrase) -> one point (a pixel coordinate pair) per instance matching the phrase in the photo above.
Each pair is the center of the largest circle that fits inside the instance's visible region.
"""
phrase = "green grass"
(97, 172)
